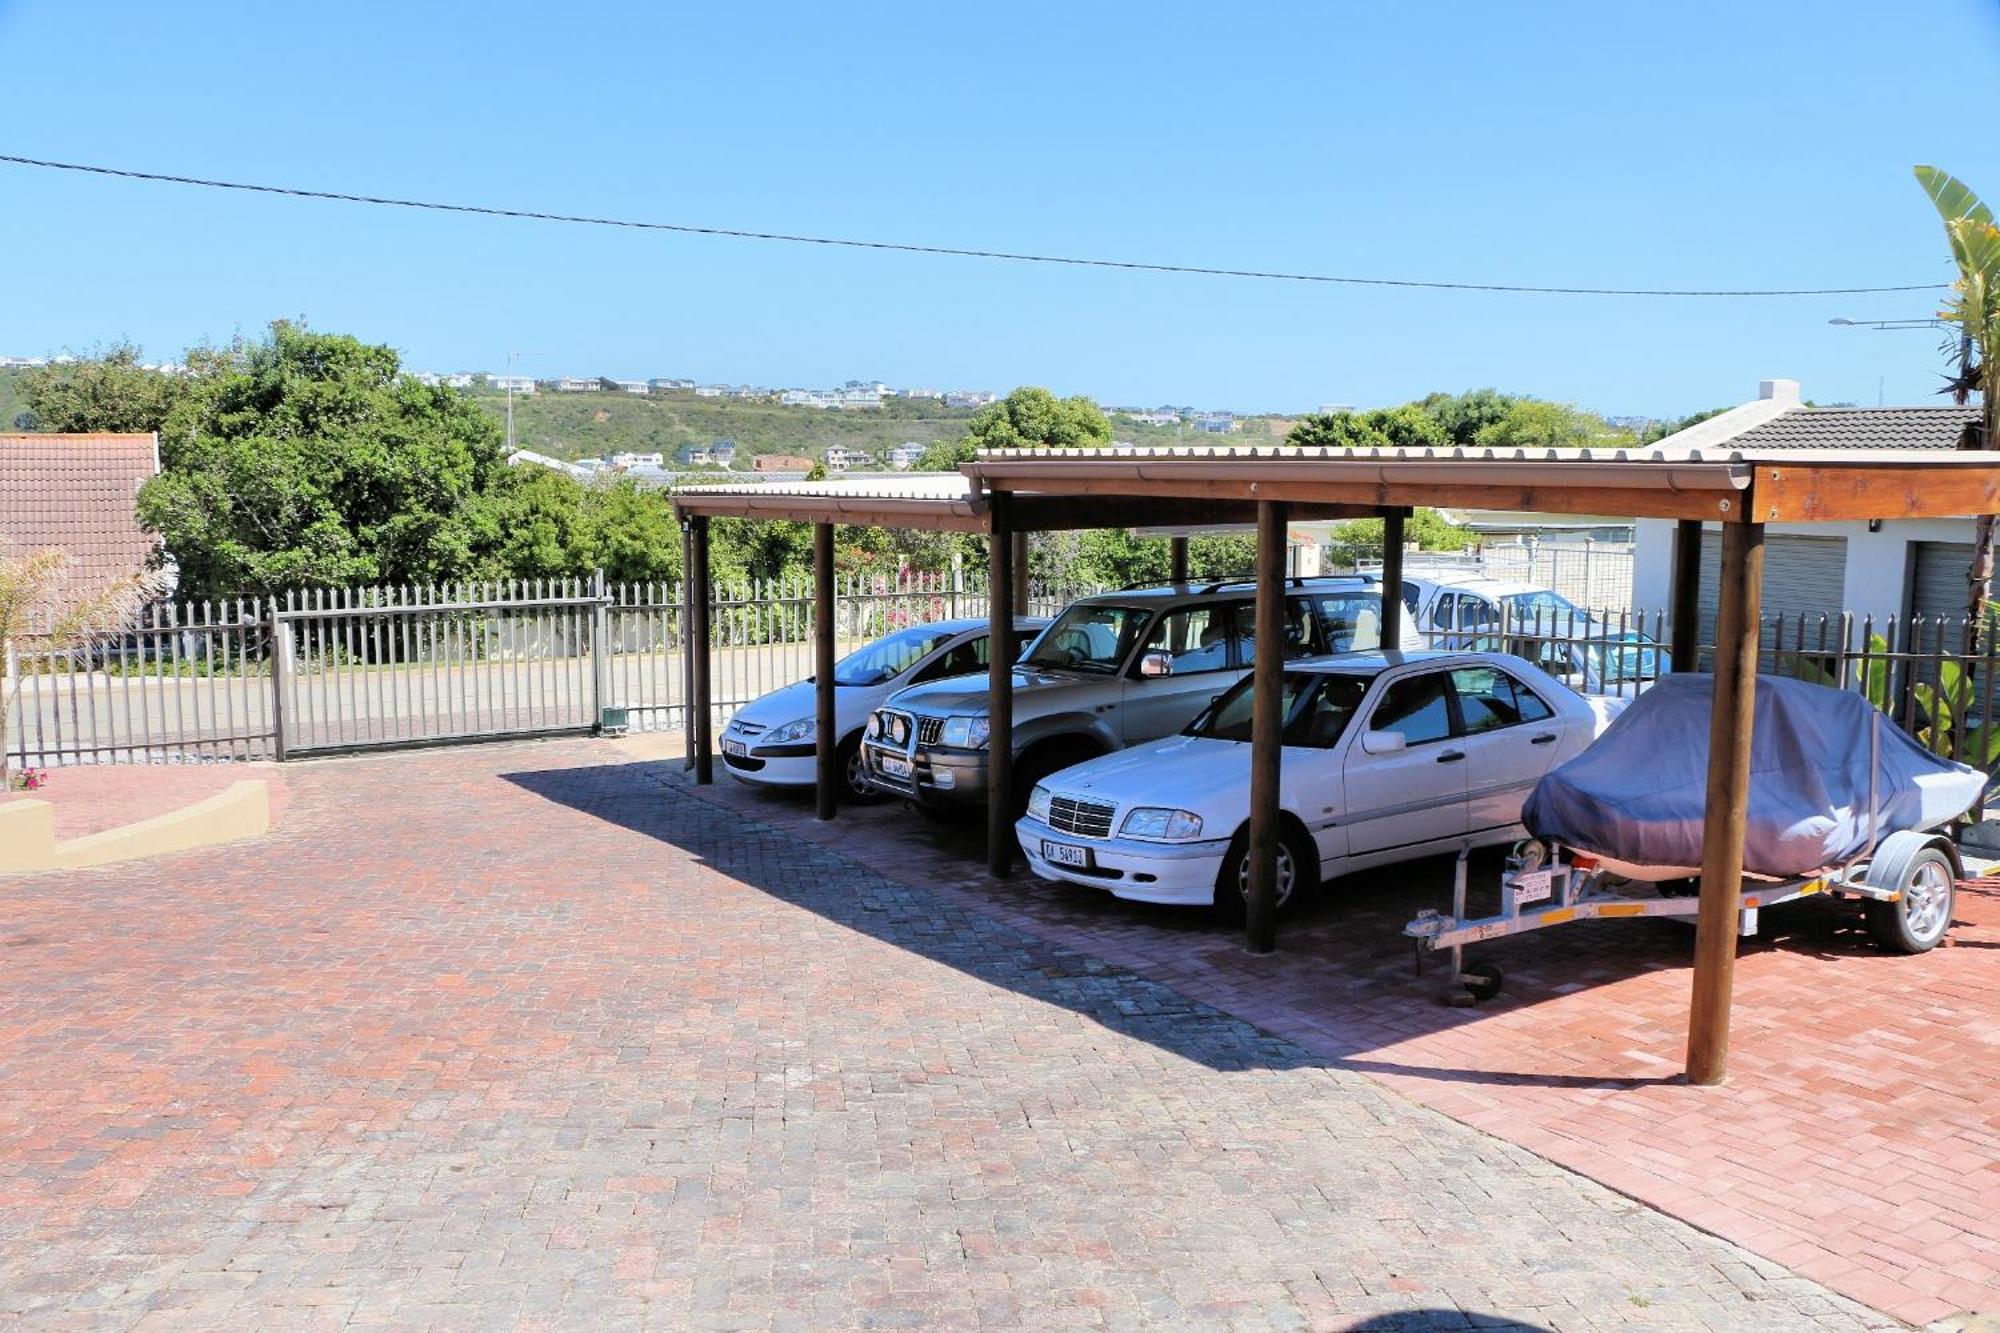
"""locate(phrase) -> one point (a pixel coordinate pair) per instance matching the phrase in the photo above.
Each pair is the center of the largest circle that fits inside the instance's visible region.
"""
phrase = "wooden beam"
(1367, 497)
(1684, 597)
(1811, 492)
(919, 514)
(1177, 559)
(1000, 691)
(1392, 578)
(1260, 919)
(1728, 796)
(1066, 513)
(699, 693)
(826, 743)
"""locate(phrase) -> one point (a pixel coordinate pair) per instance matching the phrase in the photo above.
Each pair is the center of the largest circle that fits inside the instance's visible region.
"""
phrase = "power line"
(953, 251)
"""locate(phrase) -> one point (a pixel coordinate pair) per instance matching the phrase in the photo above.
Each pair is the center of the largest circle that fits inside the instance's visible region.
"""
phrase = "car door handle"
(1543, 739)
(1451, 756)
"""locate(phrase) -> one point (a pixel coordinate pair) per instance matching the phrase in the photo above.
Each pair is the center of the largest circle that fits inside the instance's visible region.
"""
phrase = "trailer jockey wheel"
(1482, 980)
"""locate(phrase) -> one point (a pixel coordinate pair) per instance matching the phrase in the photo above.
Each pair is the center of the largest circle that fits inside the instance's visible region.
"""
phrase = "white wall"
(1875, 582)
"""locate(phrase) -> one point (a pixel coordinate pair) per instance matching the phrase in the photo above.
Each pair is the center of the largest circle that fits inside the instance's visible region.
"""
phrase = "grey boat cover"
(1636, 795)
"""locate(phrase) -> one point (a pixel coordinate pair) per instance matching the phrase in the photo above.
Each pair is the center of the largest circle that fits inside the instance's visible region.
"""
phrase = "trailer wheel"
(1917, 921)
(1482, 980)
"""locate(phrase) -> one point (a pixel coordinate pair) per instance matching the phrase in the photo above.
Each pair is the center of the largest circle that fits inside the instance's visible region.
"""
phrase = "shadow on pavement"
(878, 870)
(1424, 1321)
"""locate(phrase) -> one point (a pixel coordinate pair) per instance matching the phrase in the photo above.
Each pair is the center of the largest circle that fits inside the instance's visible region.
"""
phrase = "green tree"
(1974, 308)
(108, 392)
(309, 458)
(945, 455)
(1032, 418)
(1464, 415)
(1361, 538)
(1336, 430)
(1533, 423)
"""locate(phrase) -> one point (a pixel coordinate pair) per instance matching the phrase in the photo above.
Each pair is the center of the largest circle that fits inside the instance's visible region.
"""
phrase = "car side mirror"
(1383, 742)
(1153, 665)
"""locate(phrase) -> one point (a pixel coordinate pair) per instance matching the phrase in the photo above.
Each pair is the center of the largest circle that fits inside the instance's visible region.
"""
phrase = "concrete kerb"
(27, 831)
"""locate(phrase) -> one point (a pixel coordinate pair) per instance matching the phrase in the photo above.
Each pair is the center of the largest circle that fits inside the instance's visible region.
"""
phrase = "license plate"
(894, 767)
(1533, 886)
(1062, 854)
(737, 749)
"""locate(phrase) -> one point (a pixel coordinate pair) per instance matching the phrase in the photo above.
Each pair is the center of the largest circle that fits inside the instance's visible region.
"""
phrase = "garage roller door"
(1937, 589)
(1802, 576)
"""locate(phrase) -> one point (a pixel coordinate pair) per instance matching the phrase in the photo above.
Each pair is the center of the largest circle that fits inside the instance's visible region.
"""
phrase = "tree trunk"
(1980, 574)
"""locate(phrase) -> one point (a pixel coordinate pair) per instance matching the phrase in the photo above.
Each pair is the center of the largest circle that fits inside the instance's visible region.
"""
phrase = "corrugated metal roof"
(917, 486)
(1662, 454)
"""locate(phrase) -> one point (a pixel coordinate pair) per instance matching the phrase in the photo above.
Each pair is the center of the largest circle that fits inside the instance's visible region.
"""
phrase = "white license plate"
(1533, 886)
(735, 748)
(894, 767)
(1062, 854)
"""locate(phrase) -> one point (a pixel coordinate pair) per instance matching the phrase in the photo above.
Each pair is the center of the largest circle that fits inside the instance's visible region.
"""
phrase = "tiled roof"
(1860, 428)
(74, 493)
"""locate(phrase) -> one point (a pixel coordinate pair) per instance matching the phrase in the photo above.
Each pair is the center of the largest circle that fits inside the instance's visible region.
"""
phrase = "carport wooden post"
(999, 685)
(826, 745)
(1019, 557)
(1392, 577)
(1684, 599)
(698, 594)
(1260, 920)
(1177, 559)
(1728, 795)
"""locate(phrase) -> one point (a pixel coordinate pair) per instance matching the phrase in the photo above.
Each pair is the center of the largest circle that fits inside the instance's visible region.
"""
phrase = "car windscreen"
(1316, 706)
(1089, 638)
(885, 659)
(1550, 608)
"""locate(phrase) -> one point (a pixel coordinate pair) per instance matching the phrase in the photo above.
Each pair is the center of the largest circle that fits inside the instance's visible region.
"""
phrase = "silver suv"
(1113, 670)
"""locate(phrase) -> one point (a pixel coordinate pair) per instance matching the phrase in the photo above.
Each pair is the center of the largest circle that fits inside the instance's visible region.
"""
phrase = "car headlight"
(1151, 821)
(874, 725)
(792, 731)
(965, 733)
(1038, 803)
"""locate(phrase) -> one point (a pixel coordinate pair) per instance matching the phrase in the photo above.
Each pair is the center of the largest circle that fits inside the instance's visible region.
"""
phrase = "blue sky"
(1618, 144)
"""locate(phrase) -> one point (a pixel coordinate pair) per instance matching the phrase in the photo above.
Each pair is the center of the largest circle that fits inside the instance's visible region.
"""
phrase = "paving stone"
(515, 1037)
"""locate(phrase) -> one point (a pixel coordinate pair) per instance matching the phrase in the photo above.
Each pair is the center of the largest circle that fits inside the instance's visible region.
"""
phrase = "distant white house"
(905, 455)
(840, 457)
(521, 385)
(710, 390)
(462, 380)
(719, 454)
(969, 398)
(529, 458)
(575, 385)
(667, 385)
(723, 452)
(16, 362)
(858, 399)
(1216, 423)
(629, 460)
(424, 377)
(631, 386)
(920, 393)
(1159, 418)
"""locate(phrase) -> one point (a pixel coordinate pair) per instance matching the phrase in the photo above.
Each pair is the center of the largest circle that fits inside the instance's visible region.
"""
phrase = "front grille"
(929, 729)
(742, 728)
(1088, 819)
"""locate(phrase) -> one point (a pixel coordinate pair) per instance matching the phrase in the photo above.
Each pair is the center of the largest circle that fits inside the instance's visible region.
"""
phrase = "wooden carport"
(1740, 491)
(945, 502)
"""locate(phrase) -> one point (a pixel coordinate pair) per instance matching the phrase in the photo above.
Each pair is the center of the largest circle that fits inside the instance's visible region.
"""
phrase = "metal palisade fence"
(333, 670)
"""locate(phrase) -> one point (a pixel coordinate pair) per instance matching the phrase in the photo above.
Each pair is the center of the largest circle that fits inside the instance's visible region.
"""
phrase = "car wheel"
(1917, 921)
(1298, 875)
(854, 785)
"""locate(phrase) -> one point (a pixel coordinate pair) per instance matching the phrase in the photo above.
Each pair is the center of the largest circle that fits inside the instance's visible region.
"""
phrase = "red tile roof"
(74, 493)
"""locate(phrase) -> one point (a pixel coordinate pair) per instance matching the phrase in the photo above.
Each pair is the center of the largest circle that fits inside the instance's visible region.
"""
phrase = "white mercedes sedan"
(1387, 757)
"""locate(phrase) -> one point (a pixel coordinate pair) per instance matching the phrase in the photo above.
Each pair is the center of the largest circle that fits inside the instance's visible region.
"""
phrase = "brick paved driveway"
(511, 1036)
